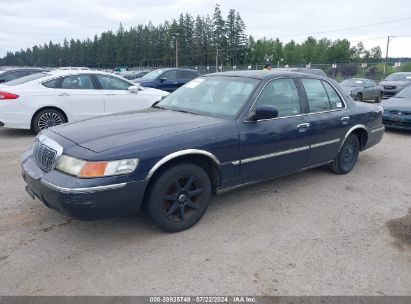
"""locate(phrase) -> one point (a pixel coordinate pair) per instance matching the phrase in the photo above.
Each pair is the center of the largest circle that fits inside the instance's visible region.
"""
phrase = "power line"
(348, 28)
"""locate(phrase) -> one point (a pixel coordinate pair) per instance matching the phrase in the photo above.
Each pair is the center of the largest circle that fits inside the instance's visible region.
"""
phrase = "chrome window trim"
(82, 190)
(297, 115)
(181, 153)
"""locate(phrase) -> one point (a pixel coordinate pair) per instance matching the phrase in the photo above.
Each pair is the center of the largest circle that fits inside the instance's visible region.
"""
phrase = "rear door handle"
(64, 94)
(303, 125)
(345, 120)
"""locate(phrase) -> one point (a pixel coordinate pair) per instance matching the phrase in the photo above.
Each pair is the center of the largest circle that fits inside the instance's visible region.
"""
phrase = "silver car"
(362, 89)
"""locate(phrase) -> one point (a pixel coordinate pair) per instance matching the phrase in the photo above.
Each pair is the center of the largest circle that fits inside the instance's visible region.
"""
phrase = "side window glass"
(51, 83)
(112, 83)
(317, 96)
(335, 100)
(282, 94)
(77, 82)
(170, 75)
(11, 76)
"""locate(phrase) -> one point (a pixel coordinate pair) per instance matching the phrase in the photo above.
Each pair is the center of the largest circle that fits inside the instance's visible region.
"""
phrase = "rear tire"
(47, 118)
(347, 156)
(179, 197)
(358, 97)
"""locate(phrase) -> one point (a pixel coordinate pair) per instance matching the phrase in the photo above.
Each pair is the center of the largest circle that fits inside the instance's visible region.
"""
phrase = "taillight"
(7, 95)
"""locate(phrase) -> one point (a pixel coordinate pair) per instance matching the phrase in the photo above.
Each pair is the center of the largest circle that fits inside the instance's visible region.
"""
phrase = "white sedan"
(47, 99)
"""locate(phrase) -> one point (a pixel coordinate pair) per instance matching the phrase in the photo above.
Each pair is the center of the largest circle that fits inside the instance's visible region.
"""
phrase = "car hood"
(395, 103)
(108, 132)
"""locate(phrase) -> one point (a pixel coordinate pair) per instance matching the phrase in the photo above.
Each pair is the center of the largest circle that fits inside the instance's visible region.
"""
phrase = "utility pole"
(60, 61)
(216, 61)
(386, 53)
(176, 37)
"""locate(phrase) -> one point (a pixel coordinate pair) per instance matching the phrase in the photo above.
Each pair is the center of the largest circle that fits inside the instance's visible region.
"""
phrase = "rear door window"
(317, 95)
(77, 82)
(335, 100)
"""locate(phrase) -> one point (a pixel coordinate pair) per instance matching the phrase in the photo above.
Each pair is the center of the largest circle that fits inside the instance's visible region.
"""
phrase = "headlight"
(85, 169)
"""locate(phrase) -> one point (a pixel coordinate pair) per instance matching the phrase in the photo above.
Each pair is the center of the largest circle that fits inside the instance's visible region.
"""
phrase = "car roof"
(59, 72)
(21, 69)
(177, 69)
(259, 74)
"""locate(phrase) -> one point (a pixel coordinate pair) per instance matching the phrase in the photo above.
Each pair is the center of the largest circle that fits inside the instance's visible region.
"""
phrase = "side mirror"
(163, 79)
(133, 89)
(265, 112)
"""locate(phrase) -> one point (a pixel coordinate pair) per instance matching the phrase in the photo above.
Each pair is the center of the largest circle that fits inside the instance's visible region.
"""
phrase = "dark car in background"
(395, 82)
(361, 89)
(317, 72)
(215, 133)
(10, 74)
(397, 110)
(132, 75)
(168, 79)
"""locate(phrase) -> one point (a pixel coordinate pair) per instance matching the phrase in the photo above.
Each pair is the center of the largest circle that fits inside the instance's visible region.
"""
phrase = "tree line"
(201, 41)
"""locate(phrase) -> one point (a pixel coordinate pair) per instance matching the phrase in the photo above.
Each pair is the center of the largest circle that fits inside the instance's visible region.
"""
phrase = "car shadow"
(397, 131)
(4, 132)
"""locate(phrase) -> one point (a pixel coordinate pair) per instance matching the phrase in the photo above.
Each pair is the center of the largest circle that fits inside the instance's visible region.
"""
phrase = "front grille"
(389, 87)
(46, 152)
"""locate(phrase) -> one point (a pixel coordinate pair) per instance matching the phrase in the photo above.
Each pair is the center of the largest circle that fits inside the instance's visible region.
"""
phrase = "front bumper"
(401, 122)
(83, 203)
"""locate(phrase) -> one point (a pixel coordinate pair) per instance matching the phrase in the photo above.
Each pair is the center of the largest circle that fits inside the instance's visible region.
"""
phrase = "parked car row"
(215, 133)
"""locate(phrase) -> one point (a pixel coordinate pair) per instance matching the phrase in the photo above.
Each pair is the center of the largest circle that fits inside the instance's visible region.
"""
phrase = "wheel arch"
(204, 159)
(45, 108)
(361, 132)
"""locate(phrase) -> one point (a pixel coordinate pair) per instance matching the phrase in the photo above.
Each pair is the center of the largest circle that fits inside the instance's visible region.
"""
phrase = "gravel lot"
(314, 233)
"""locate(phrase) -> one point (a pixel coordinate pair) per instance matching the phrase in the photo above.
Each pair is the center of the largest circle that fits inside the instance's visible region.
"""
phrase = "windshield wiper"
(183, 111)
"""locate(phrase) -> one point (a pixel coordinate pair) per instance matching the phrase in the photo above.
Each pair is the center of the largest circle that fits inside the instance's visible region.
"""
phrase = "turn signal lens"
(94, 169)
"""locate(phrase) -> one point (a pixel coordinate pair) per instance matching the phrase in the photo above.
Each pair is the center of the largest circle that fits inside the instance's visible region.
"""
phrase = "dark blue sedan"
(167, 79)
(216, 133)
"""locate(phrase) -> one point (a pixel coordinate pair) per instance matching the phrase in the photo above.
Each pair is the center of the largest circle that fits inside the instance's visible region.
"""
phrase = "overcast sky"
(25, 23)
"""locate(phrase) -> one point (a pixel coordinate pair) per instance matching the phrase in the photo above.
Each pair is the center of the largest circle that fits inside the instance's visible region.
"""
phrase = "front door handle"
(345, 120)
(303, 125)
(64, 94)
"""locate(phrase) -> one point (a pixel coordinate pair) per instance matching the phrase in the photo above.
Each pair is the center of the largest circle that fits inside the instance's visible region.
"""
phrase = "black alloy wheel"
(179, 197)
(347, 156)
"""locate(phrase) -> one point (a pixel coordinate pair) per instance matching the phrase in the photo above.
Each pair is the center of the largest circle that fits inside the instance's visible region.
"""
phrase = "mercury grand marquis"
(217, 132)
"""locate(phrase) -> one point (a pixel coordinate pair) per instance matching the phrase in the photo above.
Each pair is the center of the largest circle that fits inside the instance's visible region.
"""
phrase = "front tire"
(347, 156)
(378, 99)
(179, 197)
(47, 118)
(358, 97)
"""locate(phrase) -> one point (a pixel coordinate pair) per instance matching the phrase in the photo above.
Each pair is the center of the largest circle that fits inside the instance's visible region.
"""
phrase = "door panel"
(279, 146)
(78, 96)
(327, 126)
(273, 148)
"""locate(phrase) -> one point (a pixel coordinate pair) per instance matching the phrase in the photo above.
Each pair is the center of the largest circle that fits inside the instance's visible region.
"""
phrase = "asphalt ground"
(312, 233)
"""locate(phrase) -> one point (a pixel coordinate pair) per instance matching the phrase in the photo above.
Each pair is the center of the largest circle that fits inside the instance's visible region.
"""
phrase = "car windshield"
(352, 83)
(405, 93)
(152, 75)
(211, 96)
(26, 79)
(399, 77)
